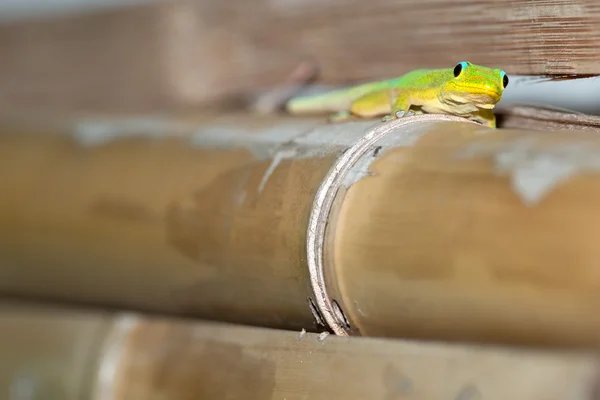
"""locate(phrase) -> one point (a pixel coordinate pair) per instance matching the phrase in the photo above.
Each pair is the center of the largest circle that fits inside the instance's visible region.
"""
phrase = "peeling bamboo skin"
(157, 225)
(453, 238)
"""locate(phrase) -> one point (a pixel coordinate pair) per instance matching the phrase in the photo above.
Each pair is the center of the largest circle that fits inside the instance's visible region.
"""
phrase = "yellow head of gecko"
(472, 84)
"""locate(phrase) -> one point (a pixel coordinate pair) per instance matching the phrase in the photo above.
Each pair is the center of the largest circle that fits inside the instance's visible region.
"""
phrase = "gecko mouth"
(477, 97)
(484, 93)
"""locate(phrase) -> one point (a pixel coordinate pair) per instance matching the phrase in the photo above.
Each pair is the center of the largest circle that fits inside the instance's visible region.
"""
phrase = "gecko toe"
(340, 116)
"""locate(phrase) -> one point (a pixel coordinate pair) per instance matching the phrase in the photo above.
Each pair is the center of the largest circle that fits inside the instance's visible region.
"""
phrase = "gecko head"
(474, 85)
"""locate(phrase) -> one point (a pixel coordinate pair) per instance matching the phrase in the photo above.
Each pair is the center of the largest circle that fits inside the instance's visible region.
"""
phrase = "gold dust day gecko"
(466, 90)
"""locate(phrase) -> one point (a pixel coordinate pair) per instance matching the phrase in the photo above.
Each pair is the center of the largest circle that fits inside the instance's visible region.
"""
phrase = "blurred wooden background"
(191, 53)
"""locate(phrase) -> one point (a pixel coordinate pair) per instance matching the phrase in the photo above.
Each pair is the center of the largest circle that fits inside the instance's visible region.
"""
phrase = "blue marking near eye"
(460, 67)
(504, 78)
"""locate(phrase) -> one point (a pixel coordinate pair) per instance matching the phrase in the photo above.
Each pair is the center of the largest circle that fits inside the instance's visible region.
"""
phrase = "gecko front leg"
(485, 117)
(400, 107)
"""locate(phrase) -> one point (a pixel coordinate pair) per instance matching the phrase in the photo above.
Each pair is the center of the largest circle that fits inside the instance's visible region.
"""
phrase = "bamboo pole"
(66, 354)
(473, 235)
(162, 219)
(438, 229)
(50, 353)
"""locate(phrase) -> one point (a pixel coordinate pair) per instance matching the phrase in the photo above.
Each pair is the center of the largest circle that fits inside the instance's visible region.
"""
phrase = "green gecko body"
(466, 90)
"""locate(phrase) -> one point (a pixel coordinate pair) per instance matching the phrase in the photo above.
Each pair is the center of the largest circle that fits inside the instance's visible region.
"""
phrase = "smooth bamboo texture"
(49, 353)
(472, 236)
(60, 354)
(187, 223)
(464, 234)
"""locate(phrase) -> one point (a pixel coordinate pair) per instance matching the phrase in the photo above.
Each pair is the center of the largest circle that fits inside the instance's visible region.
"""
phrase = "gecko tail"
(329, 102)
(332, 102)
(301, 105)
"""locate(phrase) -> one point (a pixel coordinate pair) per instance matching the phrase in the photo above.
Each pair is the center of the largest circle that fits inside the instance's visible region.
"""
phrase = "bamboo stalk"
(197, 224)
(472, 235)
(443, 230)
(62, 354)
(49, 353)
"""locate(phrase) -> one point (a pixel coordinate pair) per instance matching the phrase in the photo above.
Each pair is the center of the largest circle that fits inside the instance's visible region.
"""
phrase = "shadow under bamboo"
(450, 231)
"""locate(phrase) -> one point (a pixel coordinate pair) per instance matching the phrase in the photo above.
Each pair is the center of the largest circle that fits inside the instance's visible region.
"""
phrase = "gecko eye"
(459, 68)
(504, 79)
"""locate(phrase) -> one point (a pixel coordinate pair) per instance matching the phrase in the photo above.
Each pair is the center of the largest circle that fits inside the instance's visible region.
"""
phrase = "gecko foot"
(401, 114)
(398, 114)
(340, 116)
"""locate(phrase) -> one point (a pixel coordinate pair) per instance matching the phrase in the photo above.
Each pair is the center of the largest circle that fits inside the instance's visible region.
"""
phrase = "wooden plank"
(54, 353)
(111, 60)
(355, 40)
(185, 53)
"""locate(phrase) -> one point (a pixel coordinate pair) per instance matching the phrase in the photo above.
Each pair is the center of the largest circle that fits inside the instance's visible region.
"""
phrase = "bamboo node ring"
(322, 204)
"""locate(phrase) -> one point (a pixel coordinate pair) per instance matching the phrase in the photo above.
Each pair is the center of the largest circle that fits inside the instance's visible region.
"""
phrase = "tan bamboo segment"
(161, 218)
(472, 234)
(51, 353)
(443, 230)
